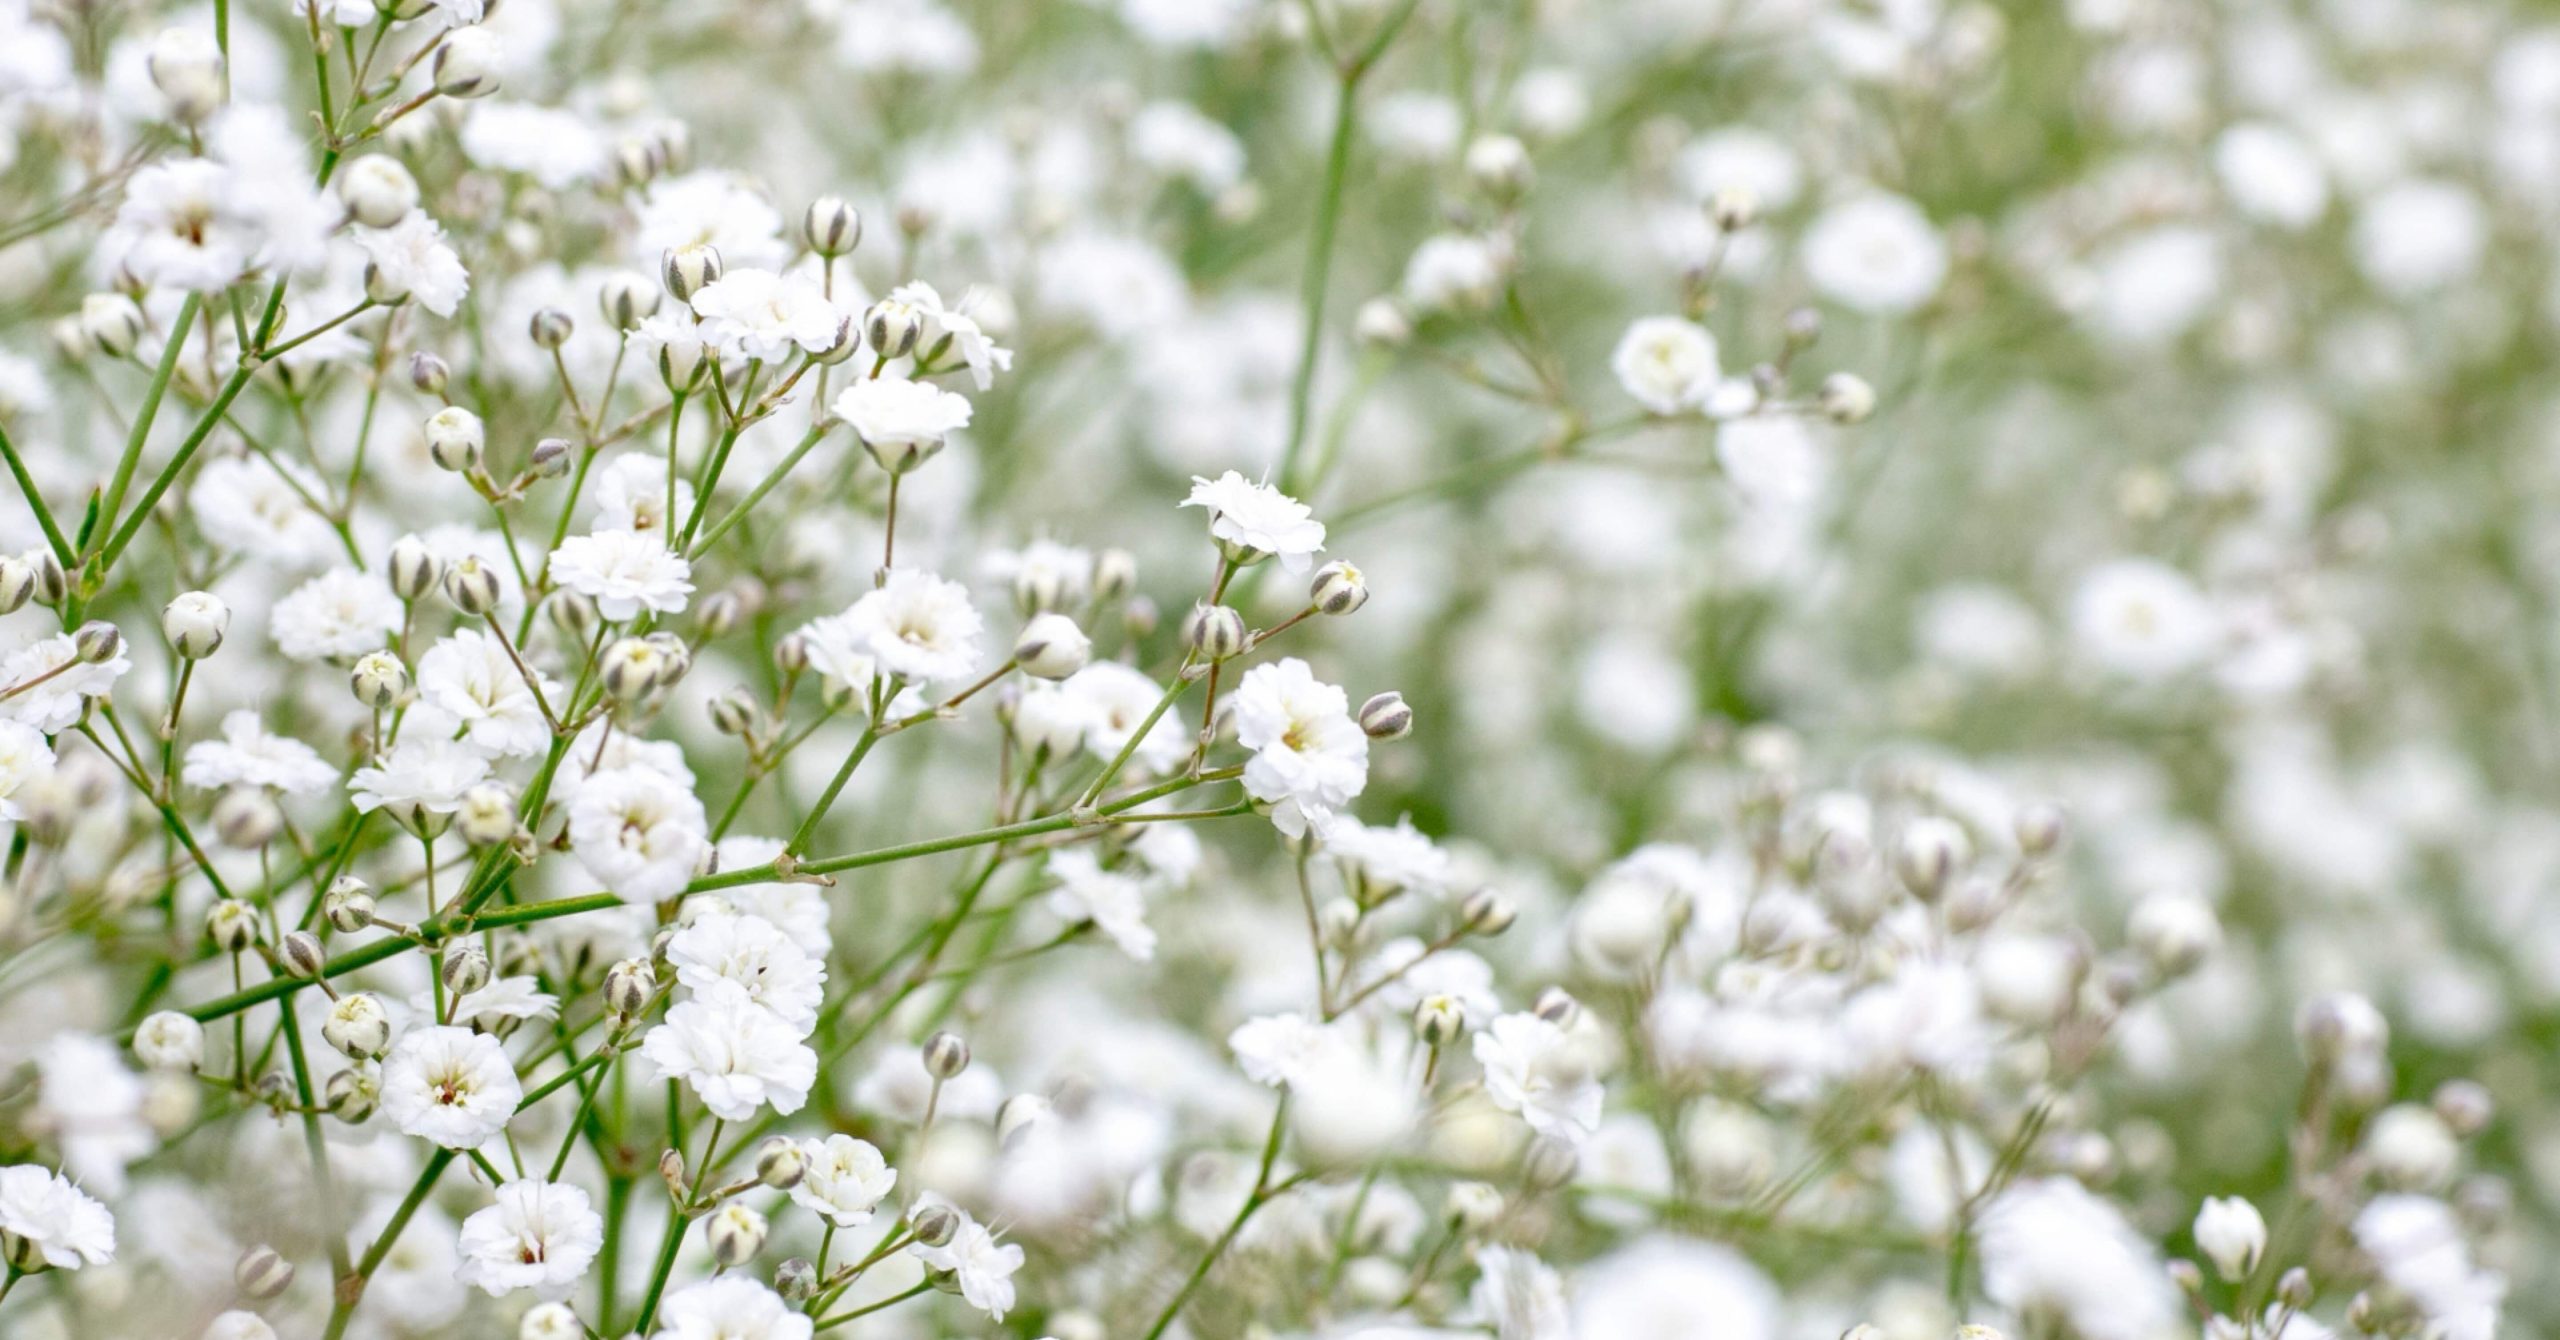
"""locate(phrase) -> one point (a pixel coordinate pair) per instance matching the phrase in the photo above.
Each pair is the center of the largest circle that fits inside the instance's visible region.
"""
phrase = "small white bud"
(379, 680)
(934, 1223)
(413, 568)
(1213, 632)
(466, 968)
(831, 226)
(1115, 574)
(891, 328)
(945, 1055)
(1846, 398)
(1734, 208)
(2464, 1106)
(1499, 166)
(1386, 717)
(2232, 1234)
(1338, 588)
(17, 583)
(466, 66)
(780, 1164)
(1052, 647)
(262, 1272)
(113, 322)
(487, 815)
(232, 925)
(377, 190)
(195, 623)
(358, 1025)
(550, 328)
(97, 642)
(352, 1095)
(1438, 1020)
(627, 298)
(628, 986)
(2174, 932)
(471, 585)
(301, 954)
(1472, 1207)
(186, 66)
(1486, 912)
(456, 439)
(687, 269)
(550, 1321)
(348, 904)
(735, 1232)
(632, 667)
(2340, 1026)
(168, 1040)
(1931, 850)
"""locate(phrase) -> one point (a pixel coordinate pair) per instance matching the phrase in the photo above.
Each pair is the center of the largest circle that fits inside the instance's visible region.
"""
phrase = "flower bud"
(791, 653)
(2293, 1288)
(168, 1040)
(1802, 326)
(471, 585)
(2232, 1234)
(379, 680)
(487, 815)
(2464, 1106)
(627, 299)
(348, 904)
(466, 66)
(628, 986)
(945, 1055)
(933, 1223)
(681, 359)
(891, 327)
(1486, 912)
(780, 1164)
(1548, 1163)
(301, 954)
(1386, 717)
(736, 712)
(382, 288)
(97, 642)
(1438, 1020)
(1734, 208)
(550, 1321)
(671, 1172)
(1927, 858)
(53, 585)
(687, 269)
(796, 1280)
(1338, 588)
(246, 818)
(262, 1272)
(113, 322)
(17, 583)
(195, 623)
(187, 67)
(1115, 574)
(1052, 647)
(1499, 166)
(2339, 1026)
(456, 439)
(632, 667)
(1845, 397)
(1212, 633)
(358, 1025)
(552, 457)
(466, 968)
(550, 328)
(2175, 932)
(413, 569)
(232, 925)
(2041, 827)
(832, 227)
(1557, 1006)
(1471, 1207)
(378, 192)
(736, 1232)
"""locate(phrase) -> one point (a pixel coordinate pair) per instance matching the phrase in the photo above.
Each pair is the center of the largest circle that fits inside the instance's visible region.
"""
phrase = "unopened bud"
(1213, 633)
(736, 712)
(1845, 397)
(1486, 912)
(358, 1025)
(1115, 574)
(378, 191)
(232, 925)
(466, 968)
(187, 67)
(1557, 1006)
(1438, 1020)
(302, 955)
(262, 1272)
(687, 269)
(831, 226)
(631, 668)
(891, 327)
(351, 1096)
(934, 1224)
(1386, 717)
(796, 1280)
(17, 583)
(487, 815)
(1499, 166)
(735, 1232)
(1338, 588)
(413, 568)
(429, 374)
(628, 986)
(195, 624)
(471, 585)
(627, 299)
(552, 457)
(348, 904)
(945, 1055)
(466, 66)
(1472, 1207)
(1052, 647)
(780, 1164)
(97, 642)
(379, 680)
(1931, 850)
(1734, 208)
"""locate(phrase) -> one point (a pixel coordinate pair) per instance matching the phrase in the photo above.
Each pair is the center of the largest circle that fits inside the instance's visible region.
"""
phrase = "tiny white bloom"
(537, 1235)
(450, 1086)
(625, 572)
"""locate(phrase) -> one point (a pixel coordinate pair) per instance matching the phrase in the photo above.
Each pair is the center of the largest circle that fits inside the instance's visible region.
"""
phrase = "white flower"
(753, 953)
(901, 420)
(236, 1324)
(759, 314)
(2416, 1244)
(468, 685)
(713, 209)
(1114, 901)
(2232, 1234)
(1519, 1295)
(1175, 140)
(1110, 699)
(450, 1087)
(249, 505)
(2049, 1246)
(181, 226)
(1390, 860)
(1309, 757)
(25, 757)
(1254, 520)
(538, 1235)
(631, 494)
(1667, 364)
(1674, 1288)
(736, 1055)
(412, 257)
(59, 1223)
(1875, 252)
(1282, 1049)
(247, 755)
(917, 627)
(843, 1180)
(92, 1105)
(904, 36)
(338, 614)
(2143, 619)
(1455, 271)
(624, 571)
(639, 833)
(731, 1307)
(1533, 1069)
(985, 1267)
(427, 774)
(957, 326)
(50, 685)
